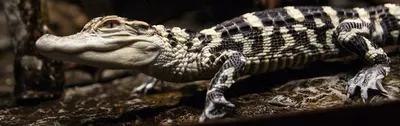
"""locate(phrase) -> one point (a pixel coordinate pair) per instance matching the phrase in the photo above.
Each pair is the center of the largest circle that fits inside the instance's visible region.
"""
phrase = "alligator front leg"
(225, 77)
(149, 83)
(354, 35)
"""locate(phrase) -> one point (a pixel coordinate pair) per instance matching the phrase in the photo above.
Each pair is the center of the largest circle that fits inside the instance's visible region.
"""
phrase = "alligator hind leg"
(368, 78)
(353, 34)
(223, 79)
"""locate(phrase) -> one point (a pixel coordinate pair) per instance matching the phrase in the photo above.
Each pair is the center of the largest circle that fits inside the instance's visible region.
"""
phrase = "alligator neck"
(181, 57)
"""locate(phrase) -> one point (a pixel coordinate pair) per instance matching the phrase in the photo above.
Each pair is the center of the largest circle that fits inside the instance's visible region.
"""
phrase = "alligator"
(253, 43)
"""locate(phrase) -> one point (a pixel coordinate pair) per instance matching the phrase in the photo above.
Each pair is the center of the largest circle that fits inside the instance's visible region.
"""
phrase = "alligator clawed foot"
(215, 105)
(148, 84)
(367, 79)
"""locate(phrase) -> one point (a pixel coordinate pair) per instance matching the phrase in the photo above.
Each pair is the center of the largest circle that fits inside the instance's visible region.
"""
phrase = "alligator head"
(107, 42)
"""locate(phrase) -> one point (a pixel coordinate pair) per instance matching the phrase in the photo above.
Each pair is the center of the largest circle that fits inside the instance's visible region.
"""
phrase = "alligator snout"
(76, 43)
(46, 43)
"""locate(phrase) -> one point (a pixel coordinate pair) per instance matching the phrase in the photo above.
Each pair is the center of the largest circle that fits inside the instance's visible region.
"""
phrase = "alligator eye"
(111, 24)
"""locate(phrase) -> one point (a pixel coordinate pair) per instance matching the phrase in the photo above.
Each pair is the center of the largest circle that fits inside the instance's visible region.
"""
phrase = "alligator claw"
(215, 103)
(148, 84)
(367, 79)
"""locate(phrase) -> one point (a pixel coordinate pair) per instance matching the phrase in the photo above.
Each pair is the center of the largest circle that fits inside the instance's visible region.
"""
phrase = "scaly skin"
(252, 43)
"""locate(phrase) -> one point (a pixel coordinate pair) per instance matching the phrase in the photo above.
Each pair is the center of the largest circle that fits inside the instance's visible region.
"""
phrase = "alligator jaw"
(79, 42)
(112, 53)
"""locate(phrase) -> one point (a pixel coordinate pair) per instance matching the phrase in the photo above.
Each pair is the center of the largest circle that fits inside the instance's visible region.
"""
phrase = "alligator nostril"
(43, 44)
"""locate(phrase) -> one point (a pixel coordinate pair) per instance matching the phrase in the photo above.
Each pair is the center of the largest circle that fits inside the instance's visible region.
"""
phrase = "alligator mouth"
(113, 53)
(83, 42)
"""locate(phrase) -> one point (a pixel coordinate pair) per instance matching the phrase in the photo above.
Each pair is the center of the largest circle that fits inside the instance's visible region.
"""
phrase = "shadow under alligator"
(250, 85)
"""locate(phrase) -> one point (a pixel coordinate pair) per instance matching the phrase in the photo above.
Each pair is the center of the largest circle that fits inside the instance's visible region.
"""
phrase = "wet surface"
(287, 91)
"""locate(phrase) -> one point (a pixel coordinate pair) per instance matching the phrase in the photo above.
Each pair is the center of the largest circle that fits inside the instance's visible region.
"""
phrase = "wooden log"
(36, 78)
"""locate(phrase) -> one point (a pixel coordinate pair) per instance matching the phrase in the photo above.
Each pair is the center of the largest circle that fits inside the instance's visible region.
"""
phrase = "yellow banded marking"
(378, 29)
(332, 14)
(329, 39)
(246, 49)
(266, 33)
(216, 36)
(347, 35)
(253, 62)
(289, 39)
(394, 10)
(229, 73)
(372, 51)
(253, 20)
(266, 53)
(295, 13)
(319, 23)
(211, 31)
(363, 14)
(312, 39)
